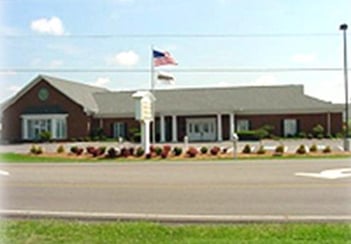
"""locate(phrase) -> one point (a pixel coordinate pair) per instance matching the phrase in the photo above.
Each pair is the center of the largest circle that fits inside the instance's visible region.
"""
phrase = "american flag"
(163, 58)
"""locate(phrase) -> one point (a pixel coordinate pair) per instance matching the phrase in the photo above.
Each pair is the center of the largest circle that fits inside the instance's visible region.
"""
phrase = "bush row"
(166, 151)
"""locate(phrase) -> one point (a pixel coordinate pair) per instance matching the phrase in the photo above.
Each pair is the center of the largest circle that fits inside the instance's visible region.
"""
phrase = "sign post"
(143, 112)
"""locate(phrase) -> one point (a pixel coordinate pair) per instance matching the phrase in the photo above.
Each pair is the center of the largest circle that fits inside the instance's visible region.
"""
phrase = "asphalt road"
(242, 188)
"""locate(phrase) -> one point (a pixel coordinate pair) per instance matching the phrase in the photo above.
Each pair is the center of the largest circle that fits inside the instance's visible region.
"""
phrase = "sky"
(204, 36)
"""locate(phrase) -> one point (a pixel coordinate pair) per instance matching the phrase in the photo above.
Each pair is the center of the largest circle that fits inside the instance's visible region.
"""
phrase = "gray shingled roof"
(78, 92)
(230, 99)
(264, 99)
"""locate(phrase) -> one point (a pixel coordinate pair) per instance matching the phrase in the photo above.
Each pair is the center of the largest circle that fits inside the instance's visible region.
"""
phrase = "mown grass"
(55, 231)
(28, 158)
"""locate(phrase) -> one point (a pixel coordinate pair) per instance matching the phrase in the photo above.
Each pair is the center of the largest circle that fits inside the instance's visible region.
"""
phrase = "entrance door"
(39, 126)
(201, 129)
(290, 127)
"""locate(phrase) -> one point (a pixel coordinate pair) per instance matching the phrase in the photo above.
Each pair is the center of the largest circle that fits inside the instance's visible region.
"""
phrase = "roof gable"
(80, 93)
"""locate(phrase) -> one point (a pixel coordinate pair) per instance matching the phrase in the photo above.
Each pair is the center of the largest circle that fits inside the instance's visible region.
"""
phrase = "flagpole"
(152, 92)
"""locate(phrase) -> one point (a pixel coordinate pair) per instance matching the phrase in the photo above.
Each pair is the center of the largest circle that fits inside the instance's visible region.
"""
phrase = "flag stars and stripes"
(163, 58)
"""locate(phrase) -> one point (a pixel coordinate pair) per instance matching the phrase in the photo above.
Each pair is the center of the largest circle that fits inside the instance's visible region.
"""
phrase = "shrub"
(45, 136)
(112, 153)
(225, 150)
(192, 152)
(279, 149)
(177, 151)
(301, 149)
(152, 149)
(203, 150)
(261, 150)
(102, 150)
(164, 154)
(148, 156)
(91, 150)
(327, 149)
(36, 150)
(318, 131)
(249, 135)
(125, 152)
(74, 149)
(247, 149)
(79, 151)
(167, 148)
(140, 152)
(158, 151)
(60, 149)
(135, 134)
(215, 150)
(309, 135)
(313, 148)
(302, 134)
(131, 151)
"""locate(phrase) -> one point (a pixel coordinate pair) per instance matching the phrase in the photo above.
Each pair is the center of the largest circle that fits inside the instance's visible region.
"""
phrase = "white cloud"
(303, 58)
(52, 26)
(101, 81)
(127, 58)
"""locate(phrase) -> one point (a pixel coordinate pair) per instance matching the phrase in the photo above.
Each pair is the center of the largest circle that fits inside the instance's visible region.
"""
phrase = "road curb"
(169, 218)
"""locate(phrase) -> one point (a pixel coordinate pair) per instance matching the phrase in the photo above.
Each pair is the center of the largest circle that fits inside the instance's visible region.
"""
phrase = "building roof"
(78, 92)
(244, 100)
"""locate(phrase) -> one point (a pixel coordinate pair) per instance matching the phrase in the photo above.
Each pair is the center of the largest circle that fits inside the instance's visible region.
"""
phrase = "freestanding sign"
(143, 112)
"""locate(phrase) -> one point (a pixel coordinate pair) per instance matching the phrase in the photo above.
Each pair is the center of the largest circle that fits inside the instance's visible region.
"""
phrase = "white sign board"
(143, 105)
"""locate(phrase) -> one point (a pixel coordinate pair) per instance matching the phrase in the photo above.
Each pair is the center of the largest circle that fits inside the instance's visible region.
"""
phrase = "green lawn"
(55, 231)
(23, 158)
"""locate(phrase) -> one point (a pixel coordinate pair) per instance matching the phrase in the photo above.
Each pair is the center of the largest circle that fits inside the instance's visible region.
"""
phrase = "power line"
(145, 70)
(169, 35)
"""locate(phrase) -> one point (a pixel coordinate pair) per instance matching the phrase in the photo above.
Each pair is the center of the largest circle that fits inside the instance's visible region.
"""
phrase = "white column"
(24, 129)
(219, 127)
(146, 125)
(142, 134)
(174, 128)
(231, 125)
(53, 129)
(162, 129)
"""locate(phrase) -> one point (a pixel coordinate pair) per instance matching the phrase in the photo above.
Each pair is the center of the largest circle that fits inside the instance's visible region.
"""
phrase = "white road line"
(171, 217)
(330, 174)
(2, 172)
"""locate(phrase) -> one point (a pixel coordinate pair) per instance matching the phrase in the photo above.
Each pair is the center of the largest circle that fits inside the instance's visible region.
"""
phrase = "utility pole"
(343, 28)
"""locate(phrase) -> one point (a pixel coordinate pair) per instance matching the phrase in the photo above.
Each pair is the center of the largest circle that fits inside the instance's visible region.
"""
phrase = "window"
(34, 125)
(242, 125)
(119, 130)
(290, 127)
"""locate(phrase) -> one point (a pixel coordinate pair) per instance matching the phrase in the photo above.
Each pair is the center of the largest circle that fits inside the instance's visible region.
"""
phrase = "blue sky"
(40, 28)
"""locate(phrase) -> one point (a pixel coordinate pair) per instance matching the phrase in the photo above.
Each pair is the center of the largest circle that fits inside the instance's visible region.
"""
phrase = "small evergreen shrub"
(203, 150)
(102, 150)
(225, 150)
(279, 149)
(112, 153)
(247, 149)
(301, 149)
(215, 150)
(45, 136)
(261, 150)
(158, 151)
(302, 134)
(313, 148)
(327, 149)
(36, 150)
(318, 131)
(177, 151)
(60, 149)
(140, 152)
(74, 149)
(192, 152)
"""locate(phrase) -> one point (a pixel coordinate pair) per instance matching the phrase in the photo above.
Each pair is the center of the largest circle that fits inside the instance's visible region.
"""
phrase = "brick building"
(72, 110)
